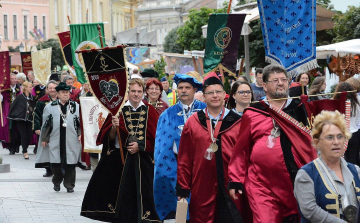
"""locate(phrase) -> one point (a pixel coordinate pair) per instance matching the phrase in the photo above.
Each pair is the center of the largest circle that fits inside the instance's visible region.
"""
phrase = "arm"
(38, 117)
(305, 196)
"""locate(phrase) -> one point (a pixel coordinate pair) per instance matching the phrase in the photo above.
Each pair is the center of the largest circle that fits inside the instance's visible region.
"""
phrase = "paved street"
(28, 197)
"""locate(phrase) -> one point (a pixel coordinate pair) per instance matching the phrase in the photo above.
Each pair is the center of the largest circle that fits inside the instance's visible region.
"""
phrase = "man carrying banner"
(43, 155)
(206, 146)
(61, 133)
(168, 133)
(124, 193)
(272, 146)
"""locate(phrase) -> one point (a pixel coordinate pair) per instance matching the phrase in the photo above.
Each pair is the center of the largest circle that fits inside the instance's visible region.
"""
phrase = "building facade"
(117, 15)
(20, 17)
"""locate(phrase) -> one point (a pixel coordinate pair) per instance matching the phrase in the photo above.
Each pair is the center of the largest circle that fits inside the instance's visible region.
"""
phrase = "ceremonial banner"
(41, 63)
(107, 76)
(83, 36)
(289, 32)
(26, 62)
(222, 42)
(93, 116)
(4, 70)
(64, 40)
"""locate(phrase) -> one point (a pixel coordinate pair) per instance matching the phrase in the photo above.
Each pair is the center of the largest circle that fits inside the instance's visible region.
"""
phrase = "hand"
(133, 147)
(37, 132)
(44, 144)
(79, 137)
(233, 195)
(115, 121)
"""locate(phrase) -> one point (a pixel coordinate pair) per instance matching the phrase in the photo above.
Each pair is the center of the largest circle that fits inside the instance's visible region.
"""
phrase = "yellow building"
(118, 15)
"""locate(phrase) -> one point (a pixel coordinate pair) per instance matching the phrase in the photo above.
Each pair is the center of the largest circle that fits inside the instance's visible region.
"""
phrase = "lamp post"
(21, 47)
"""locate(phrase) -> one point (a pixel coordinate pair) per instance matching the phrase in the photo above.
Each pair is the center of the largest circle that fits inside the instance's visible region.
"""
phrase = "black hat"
(54, 77)
(211, 79)
(149, 73)
(62, 86)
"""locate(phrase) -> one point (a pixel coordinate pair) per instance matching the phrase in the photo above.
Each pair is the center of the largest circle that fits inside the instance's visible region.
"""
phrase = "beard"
(277, 95)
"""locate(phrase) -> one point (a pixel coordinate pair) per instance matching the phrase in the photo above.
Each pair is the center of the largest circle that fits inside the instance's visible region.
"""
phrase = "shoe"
(26, 156)
(17, 150)
(70, 190)
(35, 150)
(81, 166)
(11, 153)
(47, 174)
(56, 188)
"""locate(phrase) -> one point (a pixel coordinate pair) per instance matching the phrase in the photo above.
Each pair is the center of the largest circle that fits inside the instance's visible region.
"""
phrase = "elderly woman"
(21, 115)
(327, 189)
(303, 78)
(240, 97)
(20, 78)
(153, 91)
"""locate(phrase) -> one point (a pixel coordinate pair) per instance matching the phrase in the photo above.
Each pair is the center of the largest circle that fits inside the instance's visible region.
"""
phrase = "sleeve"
(153, 117)
(185, 161)
(240, 159)
(47, 127)
(38, 116)
(305, 196)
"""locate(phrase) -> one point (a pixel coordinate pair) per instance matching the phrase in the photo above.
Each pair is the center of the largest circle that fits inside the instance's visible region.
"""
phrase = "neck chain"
(64, 116)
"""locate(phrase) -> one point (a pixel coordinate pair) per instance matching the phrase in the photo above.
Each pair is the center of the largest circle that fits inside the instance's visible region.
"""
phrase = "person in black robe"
(124, 193)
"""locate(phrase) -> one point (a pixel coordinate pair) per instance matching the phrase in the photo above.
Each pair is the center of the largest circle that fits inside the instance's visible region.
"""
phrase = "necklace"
(64, 116)
(270, 141)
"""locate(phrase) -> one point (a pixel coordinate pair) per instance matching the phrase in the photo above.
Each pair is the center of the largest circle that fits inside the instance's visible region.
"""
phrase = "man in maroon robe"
(8, 96)
(124, 193)
(271, 148)
(206, 145)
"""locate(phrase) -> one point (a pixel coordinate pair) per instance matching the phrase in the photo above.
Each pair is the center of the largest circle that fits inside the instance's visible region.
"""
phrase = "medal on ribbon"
(213, 147)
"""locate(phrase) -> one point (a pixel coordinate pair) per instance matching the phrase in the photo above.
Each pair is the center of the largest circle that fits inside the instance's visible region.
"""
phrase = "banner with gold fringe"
(41, 63)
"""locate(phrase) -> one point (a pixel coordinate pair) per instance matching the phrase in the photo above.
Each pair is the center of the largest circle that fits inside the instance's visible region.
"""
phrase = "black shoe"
(11, 153)
(17, 150)
(70, 190)
(47, 174)
(81, 166)
(35, 150)
(56, 188)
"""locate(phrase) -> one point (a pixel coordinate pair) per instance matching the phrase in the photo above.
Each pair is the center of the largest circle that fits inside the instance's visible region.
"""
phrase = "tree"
(12, 49)
(190, 34)
(57, 58)
(159, 67)
(171, 45)
(347, 25)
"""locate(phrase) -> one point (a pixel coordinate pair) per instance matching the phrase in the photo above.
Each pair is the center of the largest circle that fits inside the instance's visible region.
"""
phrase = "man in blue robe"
(169, 128)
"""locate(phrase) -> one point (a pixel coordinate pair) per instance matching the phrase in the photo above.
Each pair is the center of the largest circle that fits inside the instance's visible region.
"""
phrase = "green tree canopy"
(347, 25)
(57, 58)
(170, 44)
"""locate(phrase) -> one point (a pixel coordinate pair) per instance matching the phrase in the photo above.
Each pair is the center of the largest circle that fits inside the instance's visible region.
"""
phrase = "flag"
(93, 116)
(289, 32)
(41, 63)
(41, 34)
(108, 76)
(26, 62)
(83, 36)
(64, 40)
(5, 70)
(222, 42)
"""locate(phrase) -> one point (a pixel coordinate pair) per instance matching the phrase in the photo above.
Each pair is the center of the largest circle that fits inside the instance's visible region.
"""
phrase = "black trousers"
(14, 137)
(25, 130)
(68, 177)
(352, 151)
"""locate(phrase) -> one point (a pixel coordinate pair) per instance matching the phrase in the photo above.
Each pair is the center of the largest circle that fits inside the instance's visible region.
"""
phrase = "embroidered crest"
(223, 37)
(109, 88)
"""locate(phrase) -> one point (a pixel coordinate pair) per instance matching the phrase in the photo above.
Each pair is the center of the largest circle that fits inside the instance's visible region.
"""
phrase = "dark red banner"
(5, 70)
(64, 39)
(26, 62)
(107, 76)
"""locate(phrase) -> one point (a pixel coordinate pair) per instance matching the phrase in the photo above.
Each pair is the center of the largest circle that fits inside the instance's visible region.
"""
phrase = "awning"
(341, 48)
(129, 37)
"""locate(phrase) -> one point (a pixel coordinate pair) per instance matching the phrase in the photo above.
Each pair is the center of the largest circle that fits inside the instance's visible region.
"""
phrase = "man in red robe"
(270, 150)
(206, 145)
(124, 193)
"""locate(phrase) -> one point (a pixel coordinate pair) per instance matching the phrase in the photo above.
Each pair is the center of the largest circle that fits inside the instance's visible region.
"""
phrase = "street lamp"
(21, 47)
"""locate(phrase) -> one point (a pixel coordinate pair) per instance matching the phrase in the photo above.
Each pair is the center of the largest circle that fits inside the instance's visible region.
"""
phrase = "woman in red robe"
(153, 91)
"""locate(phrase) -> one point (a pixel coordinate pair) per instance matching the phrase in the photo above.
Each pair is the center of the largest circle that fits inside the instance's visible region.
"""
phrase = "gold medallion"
(214, 147)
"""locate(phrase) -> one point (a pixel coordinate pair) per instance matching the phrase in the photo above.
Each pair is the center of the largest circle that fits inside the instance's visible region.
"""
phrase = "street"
(28, 197)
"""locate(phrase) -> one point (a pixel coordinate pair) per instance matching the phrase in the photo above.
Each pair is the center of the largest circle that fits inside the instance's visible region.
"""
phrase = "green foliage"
(12, 49)
(190, 34)
(227, 86)
(170, 44)
(160, 67)
(57, 58)
(347, 25)
(243, 2)
(325, 3)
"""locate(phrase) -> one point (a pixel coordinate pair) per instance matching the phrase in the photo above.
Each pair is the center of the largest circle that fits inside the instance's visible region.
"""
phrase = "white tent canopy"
(342, 48)
(130, 36)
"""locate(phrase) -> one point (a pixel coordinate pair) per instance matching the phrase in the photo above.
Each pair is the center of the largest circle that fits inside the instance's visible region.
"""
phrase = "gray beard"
(277, 95)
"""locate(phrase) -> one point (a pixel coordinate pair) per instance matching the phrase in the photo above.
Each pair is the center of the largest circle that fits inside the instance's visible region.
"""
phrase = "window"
(80, 12)
(90, 11)
(6, 34)
(15, 26)
(25, 27)
(44, 27)
(101, 12)
(35, 22)
(160, 37)
(69, 8)
(56, 13)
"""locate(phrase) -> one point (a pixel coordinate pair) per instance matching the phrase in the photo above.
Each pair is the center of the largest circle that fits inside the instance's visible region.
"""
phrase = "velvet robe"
(124, 193)
(207, 179)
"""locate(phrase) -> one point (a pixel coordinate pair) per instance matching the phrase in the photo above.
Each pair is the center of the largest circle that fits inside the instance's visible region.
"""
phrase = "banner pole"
(228, 10)
(100, 36)
(120, 145)
(1, 114)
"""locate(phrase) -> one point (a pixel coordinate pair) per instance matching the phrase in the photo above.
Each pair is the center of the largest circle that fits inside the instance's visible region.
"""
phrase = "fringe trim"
(222, 67)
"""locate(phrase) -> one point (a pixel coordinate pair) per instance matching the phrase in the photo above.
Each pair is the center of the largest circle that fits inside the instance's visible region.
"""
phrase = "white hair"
(21, 76)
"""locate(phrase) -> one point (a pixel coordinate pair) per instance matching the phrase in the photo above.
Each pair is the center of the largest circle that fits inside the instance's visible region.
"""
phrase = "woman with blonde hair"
(327, 189)
(21, 116)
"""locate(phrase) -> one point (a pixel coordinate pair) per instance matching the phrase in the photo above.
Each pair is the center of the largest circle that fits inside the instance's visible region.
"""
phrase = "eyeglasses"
(211, 93)
(154, 89)
(276, 81)
(331, 138)
(244, 92)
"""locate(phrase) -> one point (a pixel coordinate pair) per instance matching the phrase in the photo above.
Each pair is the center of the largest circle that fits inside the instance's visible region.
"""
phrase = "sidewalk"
(28, 197)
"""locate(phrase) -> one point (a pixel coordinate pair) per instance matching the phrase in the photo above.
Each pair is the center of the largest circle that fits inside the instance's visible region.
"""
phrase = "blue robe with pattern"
(165, 161)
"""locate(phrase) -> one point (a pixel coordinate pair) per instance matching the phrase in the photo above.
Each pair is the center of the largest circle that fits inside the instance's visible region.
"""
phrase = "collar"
(217, 117)
(288, 102)
(132, 107)
(13, 88)
(186, 107)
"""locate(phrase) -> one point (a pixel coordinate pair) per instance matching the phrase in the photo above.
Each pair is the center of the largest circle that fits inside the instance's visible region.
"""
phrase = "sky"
(341, 5)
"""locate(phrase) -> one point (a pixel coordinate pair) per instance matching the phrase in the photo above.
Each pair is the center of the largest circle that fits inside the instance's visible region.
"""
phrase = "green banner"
(84, 36)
